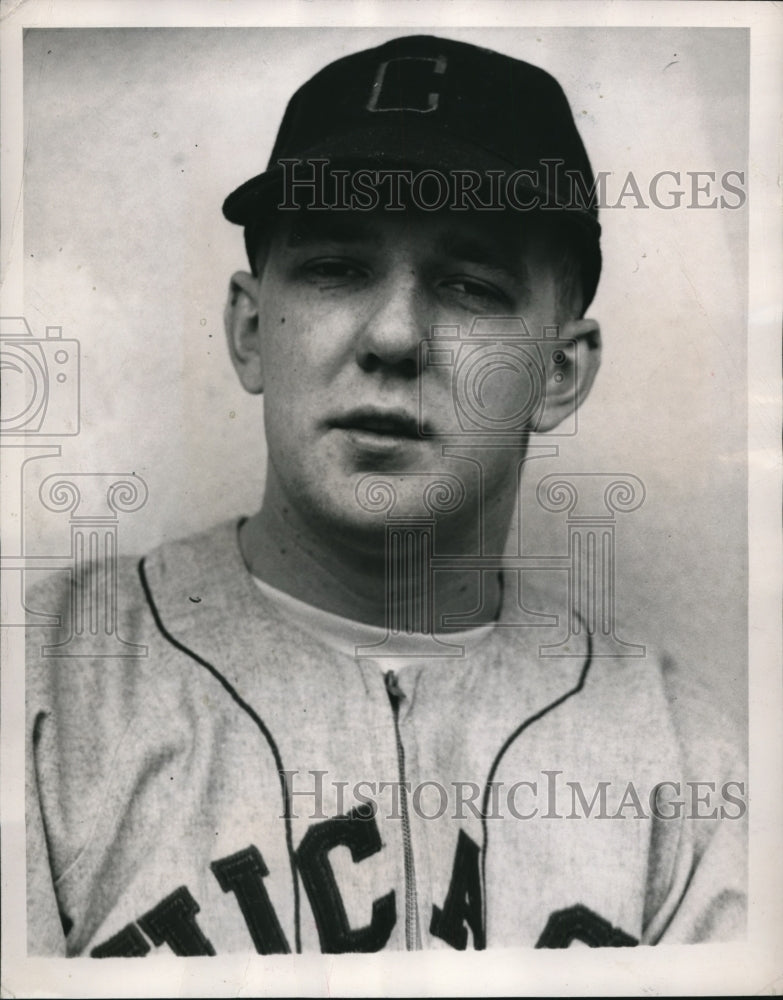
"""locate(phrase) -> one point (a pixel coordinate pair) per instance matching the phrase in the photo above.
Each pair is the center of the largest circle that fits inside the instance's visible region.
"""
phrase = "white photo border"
(746, 968)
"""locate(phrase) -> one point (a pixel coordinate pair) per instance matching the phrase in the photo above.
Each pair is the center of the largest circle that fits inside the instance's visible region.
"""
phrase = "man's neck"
(325, 570)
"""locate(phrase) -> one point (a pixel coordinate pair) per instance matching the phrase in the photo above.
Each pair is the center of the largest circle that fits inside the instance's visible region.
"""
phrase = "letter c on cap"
(410, 90)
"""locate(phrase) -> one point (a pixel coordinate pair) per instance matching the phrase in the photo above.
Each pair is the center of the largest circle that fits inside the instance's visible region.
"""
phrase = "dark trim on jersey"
(499, 755)
(287, 805)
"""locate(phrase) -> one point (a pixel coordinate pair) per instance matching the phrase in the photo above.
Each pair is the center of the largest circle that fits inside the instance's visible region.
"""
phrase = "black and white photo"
(378, 429)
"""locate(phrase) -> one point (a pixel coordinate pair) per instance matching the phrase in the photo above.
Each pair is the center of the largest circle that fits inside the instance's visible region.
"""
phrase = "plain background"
(134, 137)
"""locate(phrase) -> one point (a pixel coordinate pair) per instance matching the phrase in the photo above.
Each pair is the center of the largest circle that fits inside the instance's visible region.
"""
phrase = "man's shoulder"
(642, 688)
(202, 553)
(655, 693)
(710, 734)
(213, 549)
(102, 616)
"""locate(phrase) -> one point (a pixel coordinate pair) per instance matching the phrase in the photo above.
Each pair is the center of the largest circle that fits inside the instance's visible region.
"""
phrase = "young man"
(346, 730)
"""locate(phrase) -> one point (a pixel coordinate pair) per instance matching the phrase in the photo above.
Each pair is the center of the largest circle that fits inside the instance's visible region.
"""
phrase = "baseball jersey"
(239, 785)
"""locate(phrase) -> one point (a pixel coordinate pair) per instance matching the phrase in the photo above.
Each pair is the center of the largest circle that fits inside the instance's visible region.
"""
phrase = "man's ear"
(572, 363)
(242, 330)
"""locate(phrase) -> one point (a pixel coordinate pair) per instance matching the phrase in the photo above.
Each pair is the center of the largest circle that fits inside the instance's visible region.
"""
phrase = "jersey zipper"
(412, 932)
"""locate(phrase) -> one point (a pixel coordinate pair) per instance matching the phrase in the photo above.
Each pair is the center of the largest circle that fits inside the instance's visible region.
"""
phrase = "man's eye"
(471, 288)
(332, 270)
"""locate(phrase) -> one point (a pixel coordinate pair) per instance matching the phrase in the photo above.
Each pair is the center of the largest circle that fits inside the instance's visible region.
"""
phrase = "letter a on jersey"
(463, 900)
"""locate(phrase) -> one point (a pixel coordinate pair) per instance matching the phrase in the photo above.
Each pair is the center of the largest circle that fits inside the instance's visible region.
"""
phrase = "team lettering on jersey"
(173, 921)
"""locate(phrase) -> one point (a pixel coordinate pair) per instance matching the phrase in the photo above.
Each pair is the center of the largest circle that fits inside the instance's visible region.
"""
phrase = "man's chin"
(408, 495)
(358, 512)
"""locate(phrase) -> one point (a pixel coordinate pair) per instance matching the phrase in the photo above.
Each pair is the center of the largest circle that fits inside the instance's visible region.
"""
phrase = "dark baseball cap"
(431, 103)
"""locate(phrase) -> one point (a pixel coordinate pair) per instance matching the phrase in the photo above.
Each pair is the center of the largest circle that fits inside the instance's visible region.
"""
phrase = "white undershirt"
(356, 639)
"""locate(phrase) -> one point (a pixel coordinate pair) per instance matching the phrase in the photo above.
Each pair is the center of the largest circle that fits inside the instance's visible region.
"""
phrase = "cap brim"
(417, 148)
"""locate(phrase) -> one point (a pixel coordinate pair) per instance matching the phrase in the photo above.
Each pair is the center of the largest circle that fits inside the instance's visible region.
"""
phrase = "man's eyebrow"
(500, 255)
(329, 226)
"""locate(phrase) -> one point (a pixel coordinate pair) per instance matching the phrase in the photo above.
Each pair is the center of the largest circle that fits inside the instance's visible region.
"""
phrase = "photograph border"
(751, 967)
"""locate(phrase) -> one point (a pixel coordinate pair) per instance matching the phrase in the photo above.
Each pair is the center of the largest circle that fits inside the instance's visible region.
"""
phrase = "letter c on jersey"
(357, 831)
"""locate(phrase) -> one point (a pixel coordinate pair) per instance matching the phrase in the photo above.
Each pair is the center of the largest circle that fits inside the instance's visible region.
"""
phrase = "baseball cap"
(437, 104)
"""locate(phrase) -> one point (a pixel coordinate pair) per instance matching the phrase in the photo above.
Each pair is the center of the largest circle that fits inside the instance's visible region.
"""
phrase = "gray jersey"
(240, 786)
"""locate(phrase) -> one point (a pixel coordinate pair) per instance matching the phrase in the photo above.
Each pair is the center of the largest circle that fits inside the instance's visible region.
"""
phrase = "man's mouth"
(379, 431)
(384, 423)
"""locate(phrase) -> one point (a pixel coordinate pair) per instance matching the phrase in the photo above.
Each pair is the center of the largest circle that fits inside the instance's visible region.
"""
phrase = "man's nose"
(391, 334)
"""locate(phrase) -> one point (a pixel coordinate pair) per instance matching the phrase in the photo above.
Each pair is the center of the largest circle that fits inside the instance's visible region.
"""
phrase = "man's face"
(344, 301)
